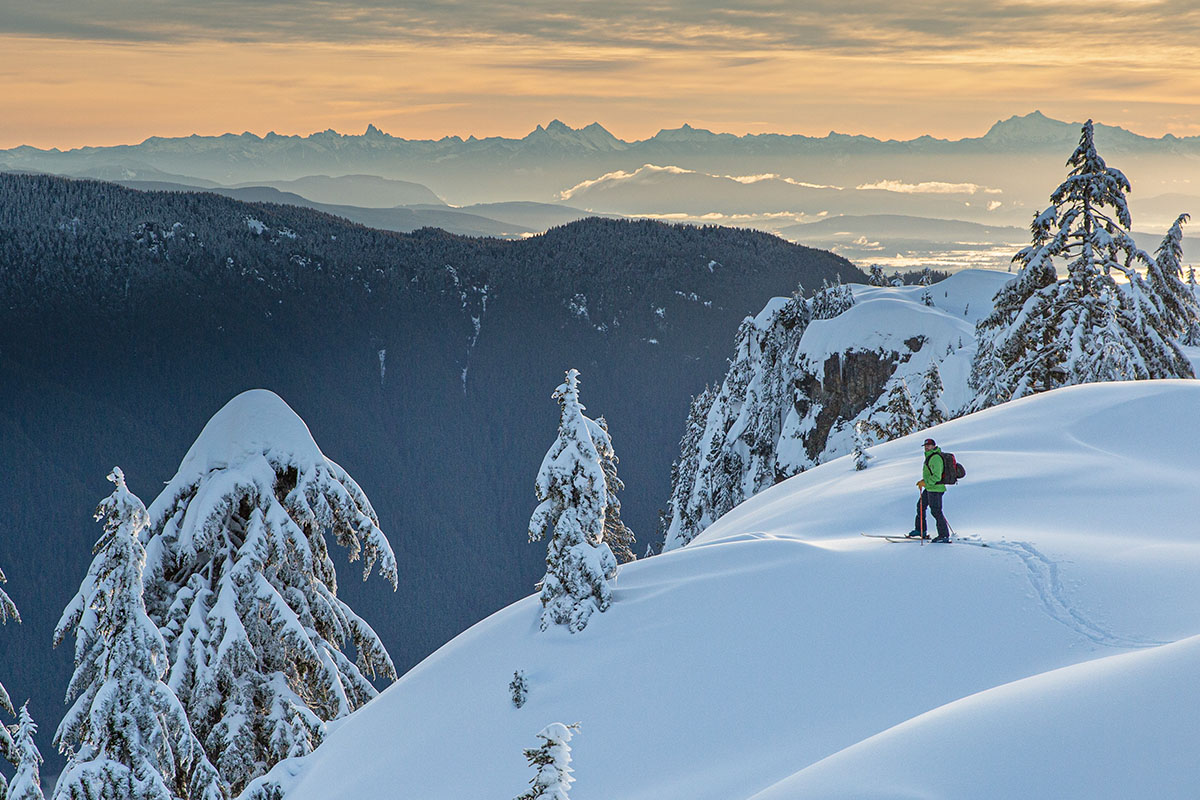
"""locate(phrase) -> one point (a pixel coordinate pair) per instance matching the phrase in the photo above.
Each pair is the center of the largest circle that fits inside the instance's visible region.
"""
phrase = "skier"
(932, 489)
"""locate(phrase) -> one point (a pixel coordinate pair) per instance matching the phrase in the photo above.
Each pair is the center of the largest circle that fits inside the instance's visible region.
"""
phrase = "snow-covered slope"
(782, 655)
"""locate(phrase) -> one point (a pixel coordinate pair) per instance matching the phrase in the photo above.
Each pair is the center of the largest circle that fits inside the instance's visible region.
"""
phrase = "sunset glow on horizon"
(164, 68)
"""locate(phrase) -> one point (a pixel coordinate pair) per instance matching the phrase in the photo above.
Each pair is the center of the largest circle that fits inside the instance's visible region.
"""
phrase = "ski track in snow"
(1046, 578)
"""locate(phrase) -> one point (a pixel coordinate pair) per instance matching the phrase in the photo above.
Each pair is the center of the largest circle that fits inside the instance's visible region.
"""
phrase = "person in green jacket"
(932, 492)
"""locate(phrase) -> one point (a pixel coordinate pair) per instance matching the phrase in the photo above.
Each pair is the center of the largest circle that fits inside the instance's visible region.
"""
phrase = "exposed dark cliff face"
(422, 363)
(853, 381)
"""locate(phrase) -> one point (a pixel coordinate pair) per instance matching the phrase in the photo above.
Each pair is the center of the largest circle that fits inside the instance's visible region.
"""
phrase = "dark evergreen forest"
(423, 363)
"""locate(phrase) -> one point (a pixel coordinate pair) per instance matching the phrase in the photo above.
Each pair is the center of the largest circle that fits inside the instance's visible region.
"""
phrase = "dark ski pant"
(933, 502)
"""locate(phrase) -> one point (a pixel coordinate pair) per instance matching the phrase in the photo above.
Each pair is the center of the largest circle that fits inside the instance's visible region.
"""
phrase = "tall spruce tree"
(573, 495)
(27, 782)
(617, 535)
(8, 748)
(901, 416)
(931, 410)
(1192, 337)
(126, 735)
(242, 585)
(1172, 296)
(552, 760)
(1046, 331)
(686, 507)
(861, 456)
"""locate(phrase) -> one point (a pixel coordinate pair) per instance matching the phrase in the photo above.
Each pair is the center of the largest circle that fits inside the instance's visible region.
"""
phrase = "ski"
(891, 537)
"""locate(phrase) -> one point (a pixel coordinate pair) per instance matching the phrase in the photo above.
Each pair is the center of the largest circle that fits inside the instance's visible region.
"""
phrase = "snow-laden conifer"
(877, 277)
(8, 749)
(861, 456)
(730, 449)
(926, 281)
(242, 584)
(1192, 337)
(1046, 331)
(518, 688)
(930, 408)
(901, 417)
(573, 495)
(552, 760)
(27, 782)
(1172, 296)
(617, 535)
(831, 301)
(126, 735)
(686, 507)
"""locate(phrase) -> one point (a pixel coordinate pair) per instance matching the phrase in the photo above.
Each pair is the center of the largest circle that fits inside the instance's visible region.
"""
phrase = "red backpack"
(952, 470)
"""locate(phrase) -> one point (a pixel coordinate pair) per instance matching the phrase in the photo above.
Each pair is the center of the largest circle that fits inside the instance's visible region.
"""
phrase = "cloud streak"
(853, 27)
(927, 187)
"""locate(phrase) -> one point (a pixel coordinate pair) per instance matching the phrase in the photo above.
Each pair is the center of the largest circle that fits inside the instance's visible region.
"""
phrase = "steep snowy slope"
(783, 655)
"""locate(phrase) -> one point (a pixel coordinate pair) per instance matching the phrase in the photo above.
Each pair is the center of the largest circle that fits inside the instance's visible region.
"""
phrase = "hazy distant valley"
(903, 204)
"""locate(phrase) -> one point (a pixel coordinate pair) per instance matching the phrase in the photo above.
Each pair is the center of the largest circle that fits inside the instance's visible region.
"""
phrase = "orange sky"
(165, 68)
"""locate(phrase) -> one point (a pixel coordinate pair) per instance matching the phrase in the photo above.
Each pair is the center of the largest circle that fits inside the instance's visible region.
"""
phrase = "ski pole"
(921, 508)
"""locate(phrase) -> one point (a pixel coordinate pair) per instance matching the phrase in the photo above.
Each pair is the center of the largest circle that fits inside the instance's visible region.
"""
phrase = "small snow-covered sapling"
(519, 688)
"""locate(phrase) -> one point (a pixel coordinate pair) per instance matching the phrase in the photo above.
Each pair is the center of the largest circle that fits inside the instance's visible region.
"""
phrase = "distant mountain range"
(1020, 157)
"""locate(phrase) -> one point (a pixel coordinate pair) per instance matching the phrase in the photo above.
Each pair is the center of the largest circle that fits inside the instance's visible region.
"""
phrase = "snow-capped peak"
(593, 137)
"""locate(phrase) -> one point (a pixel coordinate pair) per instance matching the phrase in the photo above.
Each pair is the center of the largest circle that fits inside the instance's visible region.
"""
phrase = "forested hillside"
(423, 363)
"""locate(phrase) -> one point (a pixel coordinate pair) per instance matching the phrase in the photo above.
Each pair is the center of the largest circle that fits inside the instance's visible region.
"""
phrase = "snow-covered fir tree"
(930, 408)
(27, 782)
(518, 688)
(686, 508)
(1192, 338)
(729, 450)
(926, 282)
(877, 277)
(830, 301)
(1174, 298)
(901, 417)
(8, 749)
(126, 735)
(552, 760)
(573, 499)
(1046, 332)
(617, 535)
(861, 456)
(241, 582)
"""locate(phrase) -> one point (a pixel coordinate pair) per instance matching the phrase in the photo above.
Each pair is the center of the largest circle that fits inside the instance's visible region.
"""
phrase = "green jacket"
(931, 473)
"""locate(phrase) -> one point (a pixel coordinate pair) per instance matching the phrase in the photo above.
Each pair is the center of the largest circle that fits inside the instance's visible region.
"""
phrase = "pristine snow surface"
(782, 655)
